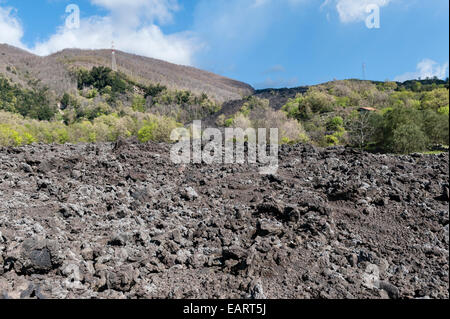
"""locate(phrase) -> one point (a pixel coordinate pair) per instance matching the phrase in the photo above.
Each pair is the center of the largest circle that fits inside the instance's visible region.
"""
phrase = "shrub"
(254, 104)
(331, 140)
(387, 86)
(436, 127)
(434, 99)
(335, 123)
(154, 90)
(304, 107)
(289, 130)
(229, 122)
(157, 129)
(242, 121)
(147, 133)
(408, 138)
(18, 131)
(82, 132)
(62, 136)
(138, 103)
(292, 132)
(9, 137)
(292, 107)
(28, 138)
(443, 110)
(406, 129)
(220, 120)
(318, 102)
(92, 93)
(343, 101)
(182, 97)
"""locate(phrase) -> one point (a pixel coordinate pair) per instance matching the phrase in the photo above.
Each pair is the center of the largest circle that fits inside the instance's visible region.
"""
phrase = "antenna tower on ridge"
(113, 56)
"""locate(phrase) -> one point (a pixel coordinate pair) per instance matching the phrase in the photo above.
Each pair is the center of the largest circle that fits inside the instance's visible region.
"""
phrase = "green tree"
(435, 99)
(138, 103)
(436, 127)
(408, 138)
(147, 133)
(9, 136)
(335, 123)
(317, 102)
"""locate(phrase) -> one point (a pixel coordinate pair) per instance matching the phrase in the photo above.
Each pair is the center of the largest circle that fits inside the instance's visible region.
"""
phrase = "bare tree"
(361, 129)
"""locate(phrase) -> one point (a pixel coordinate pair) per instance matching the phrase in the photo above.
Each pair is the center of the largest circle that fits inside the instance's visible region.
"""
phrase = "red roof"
(370, 109)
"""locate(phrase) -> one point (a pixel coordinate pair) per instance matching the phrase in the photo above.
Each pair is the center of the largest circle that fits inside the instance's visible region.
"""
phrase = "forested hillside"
(105, 106)
(379, 116)
(55, 71)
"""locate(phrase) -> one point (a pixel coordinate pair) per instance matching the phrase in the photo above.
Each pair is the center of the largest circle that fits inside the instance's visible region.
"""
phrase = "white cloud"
(260, 3)
(97, 33)
(354, 10)
(131, 24)
(134, 26)
(131, 12)
(11, 29)
(426, 68)
(278, 68)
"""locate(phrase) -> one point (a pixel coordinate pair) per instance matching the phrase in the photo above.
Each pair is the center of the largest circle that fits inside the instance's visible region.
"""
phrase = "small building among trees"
(367, 109)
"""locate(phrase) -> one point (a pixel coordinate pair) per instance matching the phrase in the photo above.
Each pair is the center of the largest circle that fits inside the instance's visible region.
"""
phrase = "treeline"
(383, 116)
(256, 113)
(100, 91)
(400, 129)
(106, 105)
(102, 85)
(376, 116)
(34, 102)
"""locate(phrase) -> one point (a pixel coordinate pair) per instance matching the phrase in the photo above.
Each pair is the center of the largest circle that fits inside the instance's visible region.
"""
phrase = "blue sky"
(266, 43)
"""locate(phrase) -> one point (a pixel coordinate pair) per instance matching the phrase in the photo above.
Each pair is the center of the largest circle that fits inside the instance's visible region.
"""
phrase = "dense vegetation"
(102, 86)
(106, 106)
(15, 130)
(256, 113)
(382, 116)
(377, 116)
(34, 102)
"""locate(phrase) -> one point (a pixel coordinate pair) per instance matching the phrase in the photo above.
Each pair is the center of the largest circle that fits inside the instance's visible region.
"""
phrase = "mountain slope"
(54, 71)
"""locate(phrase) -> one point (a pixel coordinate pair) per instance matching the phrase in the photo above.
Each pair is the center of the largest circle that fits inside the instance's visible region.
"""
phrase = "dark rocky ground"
(121, 221)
